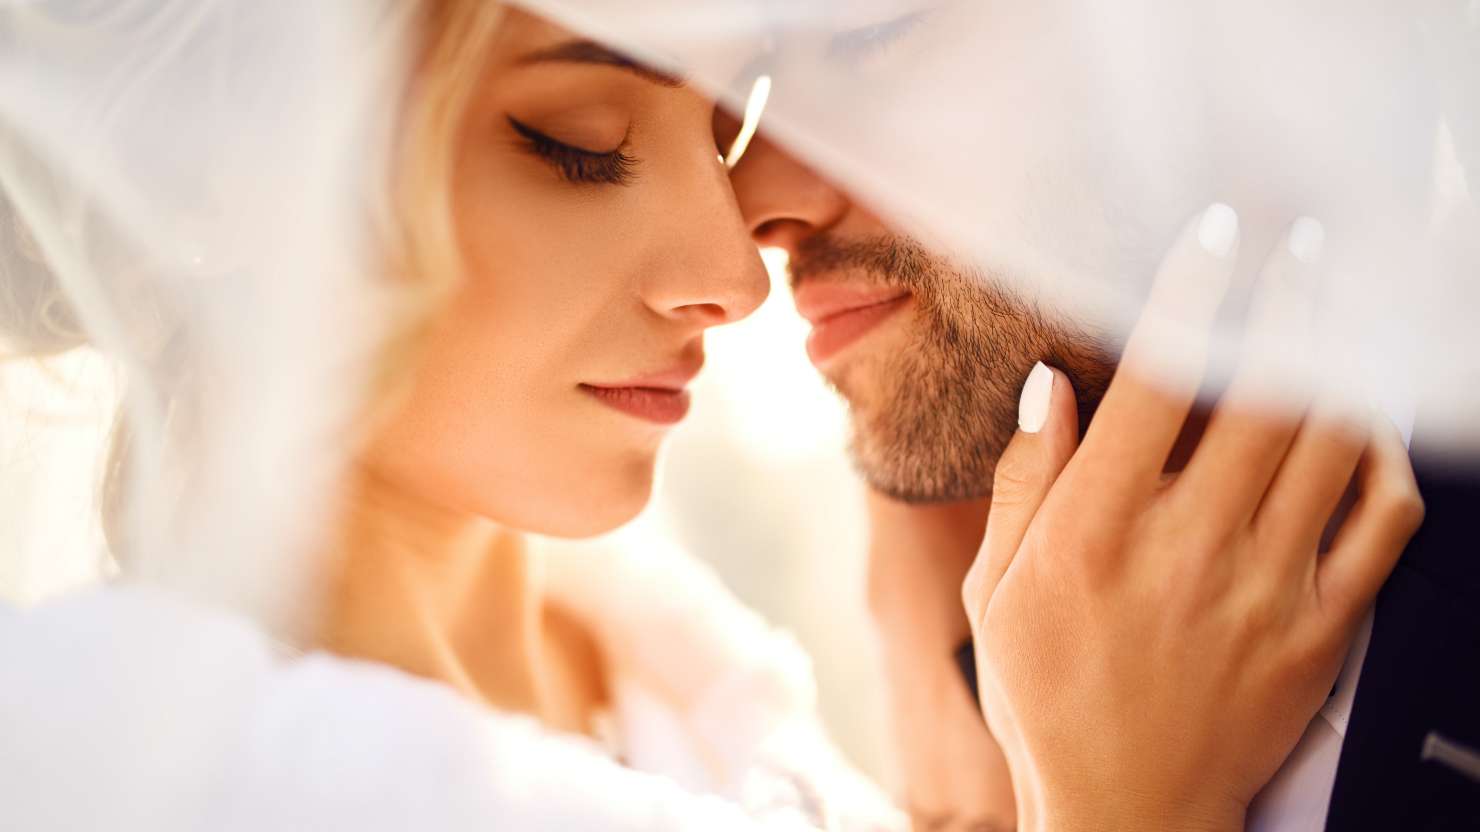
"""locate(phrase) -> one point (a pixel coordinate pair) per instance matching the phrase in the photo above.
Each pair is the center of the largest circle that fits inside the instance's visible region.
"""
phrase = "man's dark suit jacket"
(1411, 758)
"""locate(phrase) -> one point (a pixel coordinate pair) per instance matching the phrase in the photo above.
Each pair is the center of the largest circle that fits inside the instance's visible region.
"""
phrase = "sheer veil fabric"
(175, 178)
(185, 187)
(175, 174)
(1056, 147)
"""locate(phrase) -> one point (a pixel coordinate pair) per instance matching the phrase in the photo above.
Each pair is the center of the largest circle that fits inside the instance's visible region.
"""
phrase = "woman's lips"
(659, 398)
(841, 315)
(654, 404)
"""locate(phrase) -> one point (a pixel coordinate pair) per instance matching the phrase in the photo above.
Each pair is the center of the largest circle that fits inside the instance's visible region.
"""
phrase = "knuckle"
(1264, 611)
(1085, 568)
(1401, 504)
(1414, 511)
(1206, 549)
(1015, 480)
(1310, 664)
(971, 592)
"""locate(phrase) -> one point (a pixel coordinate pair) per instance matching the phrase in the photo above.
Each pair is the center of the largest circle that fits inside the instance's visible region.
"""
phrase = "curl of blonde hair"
(454, 37)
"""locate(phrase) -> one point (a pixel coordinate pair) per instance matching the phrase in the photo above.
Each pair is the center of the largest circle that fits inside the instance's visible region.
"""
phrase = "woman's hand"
(1151, 647)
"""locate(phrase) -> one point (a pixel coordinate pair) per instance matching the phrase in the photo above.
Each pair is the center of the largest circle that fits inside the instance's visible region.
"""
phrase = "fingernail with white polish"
(1033, 404)
(1218, 230)
(1307, 239)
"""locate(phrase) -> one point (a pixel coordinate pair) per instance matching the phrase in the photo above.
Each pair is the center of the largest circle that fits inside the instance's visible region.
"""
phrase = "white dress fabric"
(126, 708)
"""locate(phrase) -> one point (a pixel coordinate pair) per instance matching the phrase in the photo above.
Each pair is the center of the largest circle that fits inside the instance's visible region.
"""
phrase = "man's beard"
(931, 419)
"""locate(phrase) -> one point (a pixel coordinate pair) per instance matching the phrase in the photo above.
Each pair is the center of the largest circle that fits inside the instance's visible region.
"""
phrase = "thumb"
(1047, 436)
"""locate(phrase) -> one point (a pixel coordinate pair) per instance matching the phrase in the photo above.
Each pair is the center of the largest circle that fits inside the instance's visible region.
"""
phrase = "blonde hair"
(456, 36)
(451, 41)
(446, 43)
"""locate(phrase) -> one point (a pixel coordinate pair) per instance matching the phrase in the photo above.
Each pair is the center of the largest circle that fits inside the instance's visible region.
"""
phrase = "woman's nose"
(712, 272)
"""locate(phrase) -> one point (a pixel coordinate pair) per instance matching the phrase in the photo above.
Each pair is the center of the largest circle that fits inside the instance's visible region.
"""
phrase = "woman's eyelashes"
(576, 164)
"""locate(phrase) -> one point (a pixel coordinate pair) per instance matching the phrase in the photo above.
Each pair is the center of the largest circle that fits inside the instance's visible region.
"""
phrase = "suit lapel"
(1416, 718)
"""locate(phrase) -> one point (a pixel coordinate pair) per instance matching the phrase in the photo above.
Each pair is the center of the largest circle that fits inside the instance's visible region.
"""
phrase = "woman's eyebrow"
(590, 52)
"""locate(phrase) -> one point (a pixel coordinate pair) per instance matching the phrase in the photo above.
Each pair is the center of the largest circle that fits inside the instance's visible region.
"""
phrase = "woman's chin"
(608, 504)
(595, 524)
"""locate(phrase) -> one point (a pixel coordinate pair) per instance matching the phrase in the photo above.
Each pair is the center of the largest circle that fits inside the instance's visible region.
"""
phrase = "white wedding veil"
(184, 186)
(193, 198)
(183, 192)
(1056, 146)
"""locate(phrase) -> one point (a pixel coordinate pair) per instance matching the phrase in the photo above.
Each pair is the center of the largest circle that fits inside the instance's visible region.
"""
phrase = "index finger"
(1165, 358)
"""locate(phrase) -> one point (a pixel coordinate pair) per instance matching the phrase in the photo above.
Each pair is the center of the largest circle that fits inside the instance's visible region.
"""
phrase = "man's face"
(1067, 148)
(930, 356)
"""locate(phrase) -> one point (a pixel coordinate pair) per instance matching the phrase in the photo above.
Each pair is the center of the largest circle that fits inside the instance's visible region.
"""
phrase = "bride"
(560, 234)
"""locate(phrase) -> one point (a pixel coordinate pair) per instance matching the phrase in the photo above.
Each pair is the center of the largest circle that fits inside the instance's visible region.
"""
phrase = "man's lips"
(657, 397)
(841, 314)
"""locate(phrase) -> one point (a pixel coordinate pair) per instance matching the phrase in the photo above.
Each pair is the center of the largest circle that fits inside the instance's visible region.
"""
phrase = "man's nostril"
(776, 232)
(767, 228)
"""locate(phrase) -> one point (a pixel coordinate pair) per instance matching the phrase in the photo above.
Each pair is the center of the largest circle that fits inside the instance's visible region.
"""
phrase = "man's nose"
(782, 200)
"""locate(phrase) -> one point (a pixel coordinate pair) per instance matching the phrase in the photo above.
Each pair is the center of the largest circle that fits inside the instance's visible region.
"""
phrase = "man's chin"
(913, 497)
(915, 464)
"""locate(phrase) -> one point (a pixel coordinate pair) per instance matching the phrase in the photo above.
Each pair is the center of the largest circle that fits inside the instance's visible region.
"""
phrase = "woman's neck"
(449, 596)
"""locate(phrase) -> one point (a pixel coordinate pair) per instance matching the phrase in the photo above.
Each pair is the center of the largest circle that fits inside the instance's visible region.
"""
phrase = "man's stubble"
(931, 417)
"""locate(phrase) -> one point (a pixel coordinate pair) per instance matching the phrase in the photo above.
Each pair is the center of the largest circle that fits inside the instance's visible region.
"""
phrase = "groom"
(930, 358)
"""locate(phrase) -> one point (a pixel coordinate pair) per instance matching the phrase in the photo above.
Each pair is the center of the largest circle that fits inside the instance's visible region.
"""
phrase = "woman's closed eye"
(577, 164)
